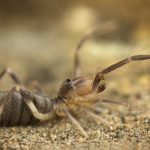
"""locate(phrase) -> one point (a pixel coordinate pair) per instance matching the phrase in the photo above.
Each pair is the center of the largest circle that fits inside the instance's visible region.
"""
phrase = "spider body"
(72, 93)
(19, 106)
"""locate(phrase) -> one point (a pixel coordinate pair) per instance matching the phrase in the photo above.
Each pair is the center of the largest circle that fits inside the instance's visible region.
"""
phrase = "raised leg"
(28, 101)
(100, 75)
(12, 75)
(101, 29)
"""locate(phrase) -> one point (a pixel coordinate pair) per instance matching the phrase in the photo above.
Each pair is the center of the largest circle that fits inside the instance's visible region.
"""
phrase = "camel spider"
(19, 106)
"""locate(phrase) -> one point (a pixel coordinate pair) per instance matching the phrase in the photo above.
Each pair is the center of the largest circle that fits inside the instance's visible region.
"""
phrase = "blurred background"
(38, 41)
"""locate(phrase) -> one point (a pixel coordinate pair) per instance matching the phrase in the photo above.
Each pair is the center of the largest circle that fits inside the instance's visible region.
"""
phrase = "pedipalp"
(100, 75)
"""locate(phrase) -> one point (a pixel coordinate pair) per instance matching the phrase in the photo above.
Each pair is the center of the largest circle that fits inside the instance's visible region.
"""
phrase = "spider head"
(78, 88)
(66, 88)
(76, 93)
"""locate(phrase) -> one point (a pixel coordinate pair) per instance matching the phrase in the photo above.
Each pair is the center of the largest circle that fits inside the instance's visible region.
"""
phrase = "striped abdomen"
(17, 112)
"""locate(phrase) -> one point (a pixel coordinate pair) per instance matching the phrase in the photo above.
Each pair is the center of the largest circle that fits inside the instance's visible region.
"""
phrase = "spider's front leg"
(100, 75)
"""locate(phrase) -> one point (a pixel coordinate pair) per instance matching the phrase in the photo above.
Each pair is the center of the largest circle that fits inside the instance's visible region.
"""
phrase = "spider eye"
(68, 80)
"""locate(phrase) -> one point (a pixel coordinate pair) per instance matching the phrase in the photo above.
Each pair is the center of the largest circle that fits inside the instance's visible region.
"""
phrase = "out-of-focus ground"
(38, 41)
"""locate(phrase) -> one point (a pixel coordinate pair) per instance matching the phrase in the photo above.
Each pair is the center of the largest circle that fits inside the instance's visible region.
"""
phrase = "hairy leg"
(74, 122)
(100, 75)
(17, 81)
(114, 102)
(12, 75)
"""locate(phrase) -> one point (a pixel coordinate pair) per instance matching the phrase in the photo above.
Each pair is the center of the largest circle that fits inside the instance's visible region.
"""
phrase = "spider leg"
(100, 74)
(12, 75)
(28, 102)
(6, 99)
(95, 116)
(114, 102)
(18, 82)
(74, 122)
(38, 87)
(101, 29)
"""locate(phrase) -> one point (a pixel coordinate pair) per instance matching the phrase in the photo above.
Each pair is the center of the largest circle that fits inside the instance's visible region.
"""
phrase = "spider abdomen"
(17, 112)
